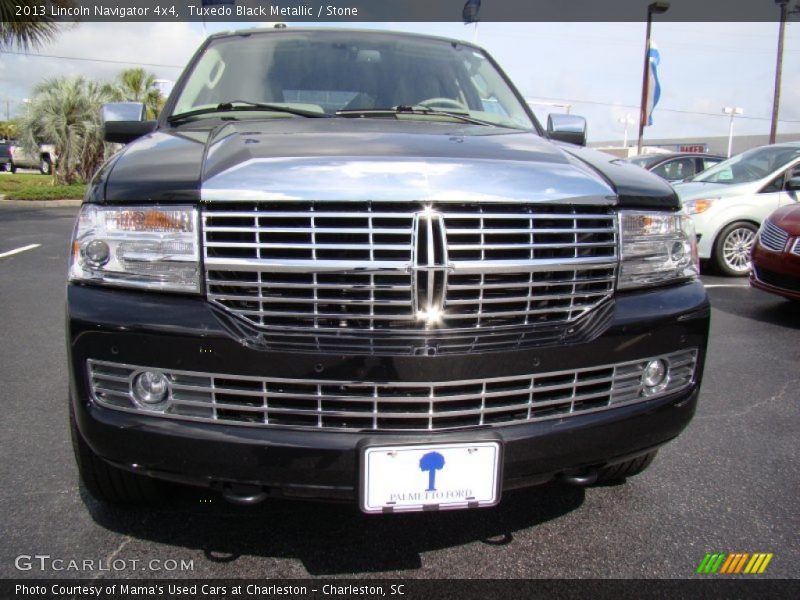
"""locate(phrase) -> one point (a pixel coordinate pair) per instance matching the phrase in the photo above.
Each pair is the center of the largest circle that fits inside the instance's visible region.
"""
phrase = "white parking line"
(18, 250)
(726, 285)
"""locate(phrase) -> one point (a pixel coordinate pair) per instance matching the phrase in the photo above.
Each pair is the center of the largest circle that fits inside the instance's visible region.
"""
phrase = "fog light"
(654, 377)
(96, 253)
(150, 388)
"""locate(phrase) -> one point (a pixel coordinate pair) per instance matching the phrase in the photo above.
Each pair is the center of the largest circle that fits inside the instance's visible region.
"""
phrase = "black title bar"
(388, 10)
(729, 588)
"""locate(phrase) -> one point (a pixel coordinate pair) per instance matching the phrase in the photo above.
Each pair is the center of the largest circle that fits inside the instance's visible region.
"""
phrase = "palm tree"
(27, 34)
(8, 130)
(431, 462)
(65, 112)
(138, 85)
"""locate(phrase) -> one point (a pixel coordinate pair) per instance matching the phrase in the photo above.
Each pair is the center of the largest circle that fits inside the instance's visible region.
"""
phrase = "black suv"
(352, 265)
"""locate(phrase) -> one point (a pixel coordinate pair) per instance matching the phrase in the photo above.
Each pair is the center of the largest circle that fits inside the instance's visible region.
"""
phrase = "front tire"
(107, 483)
(732, 249)
(45, 166)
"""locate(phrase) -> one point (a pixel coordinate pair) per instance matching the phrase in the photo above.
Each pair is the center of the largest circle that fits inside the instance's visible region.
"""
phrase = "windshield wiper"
(411, 110)
(245, 105)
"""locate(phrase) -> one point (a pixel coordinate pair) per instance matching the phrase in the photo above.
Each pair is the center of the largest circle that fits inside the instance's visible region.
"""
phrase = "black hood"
(196, 161)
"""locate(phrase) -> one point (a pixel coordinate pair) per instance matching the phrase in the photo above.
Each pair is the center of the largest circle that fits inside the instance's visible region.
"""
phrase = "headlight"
(137, 246)
(695, 207)
(657, 248)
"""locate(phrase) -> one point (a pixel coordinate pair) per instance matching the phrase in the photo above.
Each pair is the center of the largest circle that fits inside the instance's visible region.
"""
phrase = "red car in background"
(776, 254)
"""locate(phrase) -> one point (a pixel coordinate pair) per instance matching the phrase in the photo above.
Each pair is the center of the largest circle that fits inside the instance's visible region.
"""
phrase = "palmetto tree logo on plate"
(431, 462)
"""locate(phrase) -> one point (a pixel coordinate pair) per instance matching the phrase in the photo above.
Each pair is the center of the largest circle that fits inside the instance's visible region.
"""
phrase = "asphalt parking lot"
(730, 483)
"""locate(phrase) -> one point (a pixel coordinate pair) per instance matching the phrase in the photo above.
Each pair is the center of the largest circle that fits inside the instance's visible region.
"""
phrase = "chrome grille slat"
(773, 237)
(307, 246)
(317, 300)
(309, 286)
(796, 247)
(530, 284)
(518, 299)
(377, 398)
(388, 231)
(536, 266)
(392, 406)
(328, 315)
(485, 247)
(529, 230)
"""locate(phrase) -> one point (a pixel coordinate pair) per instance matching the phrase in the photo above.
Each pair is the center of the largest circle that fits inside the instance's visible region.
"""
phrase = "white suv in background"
(729, 201)
(42, 160)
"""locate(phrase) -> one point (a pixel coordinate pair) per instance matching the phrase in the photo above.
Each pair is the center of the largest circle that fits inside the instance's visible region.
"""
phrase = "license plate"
(443, 476)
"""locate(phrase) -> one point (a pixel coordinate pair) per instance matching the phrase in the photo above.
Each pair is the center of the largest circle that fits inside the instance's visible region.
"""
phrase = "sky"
(594, 67)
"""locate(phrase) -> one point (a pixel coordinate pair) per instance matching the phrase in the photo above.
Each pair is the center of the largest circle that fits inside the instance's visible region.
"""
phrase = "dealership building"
(713, 145)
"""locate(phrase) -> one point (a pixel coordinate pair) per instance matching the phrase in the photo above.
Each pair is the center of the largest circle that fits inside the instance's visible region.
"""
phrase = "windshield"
(325, 72)
(750, 166)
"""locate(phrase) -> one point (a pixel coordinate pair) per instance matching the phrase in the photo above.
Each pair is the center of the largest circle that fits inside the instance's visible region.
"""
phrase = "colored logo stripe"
(711, 563)
(758, 563)
(734, 563)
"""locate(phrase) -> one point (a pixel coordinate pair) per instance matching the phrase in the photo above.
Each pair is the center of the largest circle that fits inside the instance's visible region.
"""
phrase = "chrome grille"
(390, 406)
(773, 237)
(356, 265)
(796, 248)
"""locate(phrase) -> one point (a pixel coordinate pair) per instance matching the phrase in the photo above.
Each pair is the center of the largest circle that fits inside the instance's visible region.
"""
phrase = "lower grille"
(389, 406)
(778, 280)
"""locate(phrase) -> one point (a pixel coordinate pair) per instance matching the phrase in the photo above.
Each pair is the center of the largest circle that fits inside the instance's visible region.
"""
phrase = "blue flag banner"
(653, 85)
(470, 12)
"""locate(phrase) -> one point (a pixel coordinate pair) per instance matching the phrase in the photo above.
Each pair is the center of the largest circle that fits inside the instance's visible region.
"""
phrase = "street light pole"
(733, 111)
(653, 8)
(626, 121)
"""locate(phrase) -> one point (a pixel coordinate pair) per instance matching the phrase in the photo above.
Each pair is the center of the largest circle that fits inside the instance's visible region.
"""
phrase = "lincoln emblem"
(429, 266)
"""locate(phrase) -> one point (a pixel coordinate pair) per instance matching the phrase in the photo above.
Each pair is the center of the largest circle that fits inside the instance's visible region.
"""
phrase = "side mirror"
(793, 184)
(567, 128)
(123, 122)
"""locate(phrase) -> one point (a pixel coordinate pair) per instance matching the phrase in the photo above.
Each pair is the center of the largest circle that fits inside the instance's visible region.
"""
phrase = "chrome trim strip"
(428, 179)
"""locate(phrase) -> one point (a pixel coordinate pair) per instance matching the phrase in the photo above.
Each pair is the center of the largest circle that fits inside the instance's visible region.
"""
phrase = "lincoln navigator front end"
(351, 265)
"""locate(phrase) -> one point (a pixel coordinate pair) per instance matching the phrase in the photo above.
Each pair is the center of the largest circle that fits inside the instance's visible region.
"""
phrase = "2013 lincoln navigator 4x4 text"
(352, 265)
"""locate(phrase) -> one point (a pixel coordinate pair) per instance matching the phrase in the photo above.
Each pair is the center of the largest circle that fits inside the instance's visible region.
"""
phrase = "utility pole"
(776, 101)
(626, 121)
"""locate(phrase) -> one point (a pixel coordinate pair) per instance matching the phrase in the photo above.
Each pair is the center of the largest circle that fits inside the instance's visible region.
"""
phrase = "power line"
(98, 60)
(674, 110)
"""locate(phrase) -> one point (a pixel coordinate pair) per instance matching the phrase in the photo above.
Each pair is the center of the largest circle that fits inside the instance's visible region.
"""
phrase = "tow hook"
(581, 478)
(243, 495)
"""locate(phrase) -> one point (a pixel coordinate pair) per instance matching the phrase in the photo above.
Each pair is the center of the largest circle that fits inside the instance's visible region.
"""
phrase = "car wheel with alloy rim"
(732, 248)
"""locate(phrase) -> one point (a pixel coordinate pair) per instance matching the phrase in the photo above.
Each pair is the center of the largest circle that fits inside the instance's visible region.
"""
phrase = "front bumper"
(183, 333)
(776, 272)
